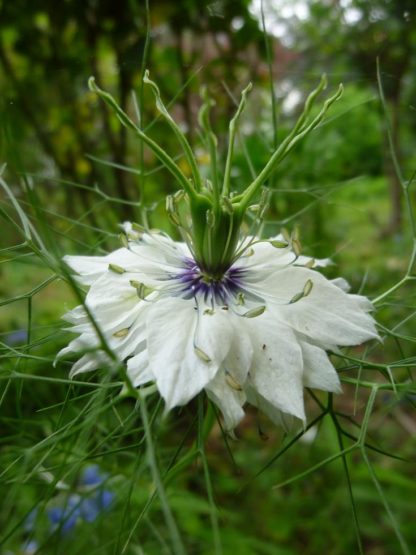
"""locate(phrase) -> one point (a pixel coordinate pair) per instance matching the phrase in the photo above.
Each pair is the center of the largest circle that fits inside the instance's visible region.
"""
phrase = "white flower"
(257, 335)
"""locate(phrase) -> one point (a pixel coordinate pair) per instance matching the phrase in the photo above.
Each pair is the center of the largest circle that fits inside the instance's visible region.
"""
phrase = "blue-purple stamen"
(195, 282)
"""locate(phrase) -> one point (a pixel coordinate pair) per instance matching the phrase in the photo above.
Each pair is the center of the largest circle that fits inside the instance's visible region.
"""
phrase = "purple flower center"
(196, 282)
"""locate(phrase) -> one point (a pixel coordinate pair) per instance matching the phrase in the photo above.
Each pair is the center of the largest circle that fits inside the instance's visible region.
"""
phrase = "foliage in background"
(265, 493)
(350, 36)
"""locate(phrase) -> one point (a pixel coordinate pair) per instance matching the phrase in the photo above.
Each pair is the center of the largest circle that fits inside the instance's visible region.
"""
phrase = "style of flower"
(258, 334)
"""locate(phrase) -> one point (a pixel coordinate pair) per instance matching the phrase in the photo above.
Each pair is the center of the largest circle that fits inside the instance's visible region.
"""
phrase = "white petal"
(113, 302)
(130, 344)
(278, 417)
(318, 371)
(264, 254)
(90, 268)
(138, 369)
(76, 316)
(317, 262)
(159, 256)
(327, 314)
(86, 341)
(240, 356)
(150, 261)
(112, 317)
(89, 362)
(186, 348)
(277, 364)
(364, 303)
(228, 399)
(131, 324)
(342, 284)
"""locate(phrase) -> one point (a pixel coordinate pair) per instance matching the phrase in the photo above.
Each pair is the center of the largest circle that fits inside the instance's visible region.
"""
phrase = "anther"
(227, 205)
(123, 240)
(121, 333)
(308, 287)
(279, 244)
(249, 252)
(142, 290)
(202, 355)
(232, 382)
(310, 263)
(116, 269)
(286, 235)
(254, 312)
(296, 297)
(296, 246)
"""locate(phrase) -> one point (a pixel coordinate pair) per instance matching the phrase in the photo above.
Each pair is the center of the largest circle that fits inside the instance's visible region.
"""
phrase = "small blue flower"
(105, 498)
(92, 506)
(85, 506)
(65, 518)
(30, 521)
(17, 337)
(92, 476)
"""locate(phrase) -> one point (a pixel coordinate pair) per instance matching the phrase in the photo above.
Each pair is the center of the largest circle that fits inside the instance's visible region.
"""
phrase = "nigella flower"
(245, 320)
(256, 334)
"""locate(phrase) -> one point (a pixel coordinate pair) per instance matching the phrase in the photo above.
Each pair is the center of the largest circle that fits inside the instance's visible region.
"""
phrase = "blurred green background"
(78, 173)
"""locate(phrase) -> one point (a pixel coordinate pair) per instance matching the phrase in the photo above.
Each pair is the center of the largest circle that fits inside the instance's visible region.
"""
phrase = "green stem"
(393, 289)
(179, 134)
(231, 138)
(300, 130)
(203, 118)
(213, 508)
(178, 546)
(142, 179)
(270, 71)
(159, 152)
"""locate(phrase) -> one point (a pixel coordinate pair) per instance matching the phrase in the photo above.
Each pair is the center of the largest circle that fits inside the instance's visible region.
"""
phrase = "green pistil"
(214, 241)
